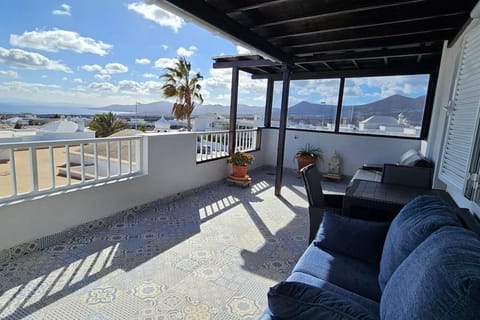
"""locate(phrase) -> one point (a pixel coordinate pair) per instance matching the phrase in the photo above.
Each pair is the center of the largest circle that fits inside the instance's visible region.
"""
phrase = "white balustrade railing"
(214, 144)
(46, 166)
(246, 140)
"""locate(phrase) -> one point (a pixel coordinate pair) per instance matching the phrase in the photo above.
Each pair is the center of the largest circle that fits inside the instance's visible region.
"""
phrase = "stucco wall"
(172, 169)
(355, 150)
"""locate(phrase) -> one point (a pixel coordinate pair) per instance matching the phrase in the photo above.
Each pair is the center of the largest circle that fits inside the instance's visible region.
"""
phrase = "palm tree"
(179, 83)
(106, 124)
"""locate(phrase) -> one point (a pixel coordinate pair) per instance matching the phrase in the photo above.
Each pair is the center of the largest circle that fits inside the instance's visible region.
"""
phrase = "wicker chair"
(318, 202)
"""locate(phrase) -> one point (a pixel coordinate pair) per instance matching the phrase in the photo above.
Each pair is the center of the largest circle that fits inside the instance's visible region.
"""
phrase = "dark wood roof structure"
(322, 38)
(313, 39)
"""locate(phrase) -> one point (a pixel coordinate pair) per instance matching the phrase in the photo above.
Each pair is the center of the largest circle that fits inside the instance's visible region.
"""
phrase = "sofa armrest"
(417, 177)
(334, 200)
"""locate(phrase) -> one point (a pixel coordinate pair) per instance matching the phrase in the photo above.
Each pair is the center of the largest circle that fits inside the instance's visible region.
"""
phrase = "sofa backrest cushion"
(295, 300)
(356, 238)
(415, 222)
(439, 280)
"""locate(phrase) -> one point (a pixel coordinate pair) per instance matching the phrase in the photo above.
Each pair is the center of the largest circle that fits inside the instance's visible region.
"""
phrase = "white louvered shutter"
(463, 116)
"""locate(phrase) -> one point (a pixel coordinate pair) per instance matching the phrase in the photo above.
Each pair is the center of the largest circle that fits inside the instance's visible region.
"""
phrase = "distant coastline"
(39, 109)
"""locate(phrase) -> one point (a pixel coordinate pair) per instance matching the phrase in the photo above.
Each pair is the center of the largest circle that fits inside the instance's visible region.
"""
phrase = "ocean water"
(40, 109)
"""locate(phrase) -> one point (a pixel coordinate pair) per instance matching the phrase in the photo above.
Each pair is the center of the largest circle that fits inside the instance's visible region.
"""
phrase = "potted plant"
(306, 155)
(240, 162)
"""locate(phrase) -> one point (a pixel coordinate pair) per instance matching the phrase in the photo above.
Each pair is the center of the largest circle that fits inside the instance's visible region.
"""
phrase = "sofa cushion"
(439, 280)
(356, 238)
(415, 222)
(294, 300)
(370, 305)
(341, 270)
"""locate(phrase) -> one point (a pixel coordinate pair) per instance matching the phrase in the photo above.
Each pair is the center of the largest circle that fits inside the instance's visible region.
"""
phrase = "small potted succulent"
(240, 162)
(306, 155)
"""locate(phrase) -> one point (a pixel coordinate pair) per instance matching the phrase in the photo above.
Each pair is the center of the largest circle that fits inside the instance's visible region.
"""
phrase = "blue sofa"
(424, 265)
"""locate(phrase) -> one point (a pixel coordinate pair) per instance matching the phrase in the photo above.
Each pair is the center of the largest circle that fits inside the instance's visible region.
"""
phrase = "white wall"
(172, 169)
(353, 149)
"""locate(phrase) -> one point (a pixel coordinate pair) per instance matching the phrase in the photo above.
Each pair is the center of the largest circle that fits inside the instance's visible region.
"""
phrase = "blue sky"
(104, 52)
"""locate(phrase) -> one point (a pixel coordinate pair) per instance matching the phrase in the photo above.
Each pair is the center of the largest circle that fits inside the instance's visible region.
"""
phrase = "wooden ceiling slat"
(402, 52)
(358, 45)
(396, 28)
(257, 5)
(371, 37)
(333, 8)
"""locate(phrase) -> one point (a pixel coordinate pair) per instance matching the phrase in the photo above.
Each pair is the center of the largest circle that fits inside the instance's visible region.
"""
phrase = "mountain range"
(412, 108)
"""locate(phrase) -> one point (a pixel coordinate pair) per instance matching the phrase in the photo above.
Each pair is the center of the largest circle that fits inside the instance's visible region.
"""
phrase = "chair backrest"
(417, 177)
(311, 179)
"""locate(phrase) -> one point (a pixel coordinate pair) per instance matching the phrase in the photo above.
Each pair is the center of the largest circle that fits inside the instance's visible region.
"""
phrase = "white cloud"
(186, 52)
(57, 39)
(64, 78)
(149, 75)
(142, 61)
(110, 68)
(115, 67)
(103, 77)
(130, 86)
(64, 10)
(30, 60)
(157, 15)
(103, 86)
(44, 76)
(165, 63)
(164, 46)
(78, 80)
(29, 86)
(8, 74)
(91, 67)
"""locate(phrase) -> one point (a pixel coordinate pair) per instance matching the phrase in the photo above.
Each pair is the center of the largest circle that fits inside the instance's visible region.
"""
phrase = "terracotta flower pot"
(304, 161)
(239, 171)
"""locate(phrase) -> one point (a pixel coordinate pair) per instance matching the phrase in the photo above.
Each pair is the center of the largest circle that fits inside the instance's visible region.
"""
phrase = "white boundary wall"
(170, 159)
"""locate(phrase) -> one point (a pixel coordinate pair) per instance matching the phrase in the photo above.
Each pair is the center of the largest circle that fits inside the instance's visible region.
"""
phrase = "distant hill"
(412, 108)
(391, 106)
(165, 107)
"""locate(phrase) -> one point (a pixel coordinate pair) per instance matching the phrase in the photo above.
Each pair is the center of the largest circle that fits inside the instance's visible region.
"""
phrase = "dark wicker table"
(382, 201)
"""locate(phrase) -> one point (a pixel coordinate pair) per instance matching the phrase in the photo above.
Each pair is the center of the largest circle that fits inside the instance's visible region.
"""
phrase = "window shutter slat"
(461, 130)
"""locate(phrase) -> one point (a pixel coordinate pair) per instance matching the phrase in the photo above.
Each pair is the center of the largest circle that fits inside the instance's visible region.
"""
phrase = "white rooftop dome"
(162, 124)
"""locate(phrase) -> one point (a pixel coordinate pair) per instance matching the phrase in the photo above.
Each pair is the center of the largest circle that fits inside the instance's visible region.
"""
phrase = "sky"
(97, 53)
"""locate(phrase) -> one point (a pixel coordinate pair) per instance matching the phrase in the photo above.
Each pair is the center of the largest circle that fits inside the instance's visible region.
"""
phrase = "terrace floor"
(210, 255)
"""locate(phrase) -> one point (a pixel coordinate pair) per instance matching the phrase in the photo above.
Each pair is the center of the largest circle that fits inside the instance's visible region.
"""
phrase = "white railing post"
(82, 163)
(67, 165)
(129, 156)
(52, 167)
(33, 168)
(119, 147)
(13, 172)
(95, 159)
(107, 150)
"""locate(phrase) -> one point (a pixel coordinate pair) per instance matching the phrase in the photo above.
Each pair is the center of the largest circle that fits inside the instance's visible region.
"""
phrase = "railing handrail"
(209, 132)
(64, 142)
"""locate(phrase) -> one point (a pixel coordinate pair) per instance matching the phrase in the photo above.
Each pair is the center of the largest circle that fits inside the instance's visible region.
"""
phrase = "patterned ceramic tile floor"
(210, 255)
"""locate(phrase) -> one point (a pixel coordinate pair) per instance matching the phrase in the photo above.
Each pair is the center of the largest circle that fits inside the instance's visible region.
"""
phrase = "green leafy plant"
(241, 159)
(309, 151)
(106, 124)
